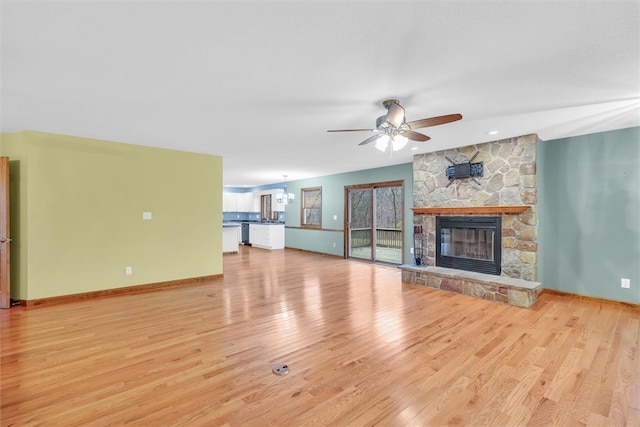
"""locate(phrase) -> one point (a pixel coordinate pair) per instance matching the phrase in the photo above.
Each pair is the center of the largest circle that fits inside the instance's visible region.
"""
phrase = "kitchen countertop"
(239, 222)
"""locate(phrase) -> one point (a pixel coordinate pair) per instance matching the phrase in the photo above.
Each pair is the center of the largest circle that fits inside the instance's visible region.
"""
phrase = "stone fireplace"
(505, 194)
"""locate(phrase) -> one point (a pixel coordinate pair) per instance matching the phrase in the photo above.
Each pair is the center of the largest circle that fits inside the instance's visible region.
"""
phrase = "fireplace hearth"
(471, 243)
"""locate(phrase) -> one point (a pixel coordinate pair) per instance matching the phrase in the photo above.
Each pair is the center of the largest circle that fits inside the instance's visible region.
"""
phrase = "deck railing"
(385, 237)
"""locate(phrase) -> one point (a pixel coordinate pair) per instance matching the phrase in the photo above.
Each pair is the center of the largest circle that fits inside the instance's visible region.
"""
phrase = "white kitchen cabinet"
(267, 236)
(229, 202)
(244, 202)
(230, 238)
(255, 206)
(237, 202)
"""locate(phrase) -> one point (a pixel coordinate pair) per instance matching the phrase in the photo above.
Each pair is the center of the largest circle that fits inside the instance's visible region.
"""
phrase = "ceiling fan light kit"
(397, 143)
(393, 127)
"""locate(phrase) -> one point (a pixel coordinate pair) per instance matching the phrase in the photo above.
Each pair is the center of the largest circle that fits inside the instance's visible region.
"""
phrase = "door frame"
(5, 239)
(372, 186)
(347, 224)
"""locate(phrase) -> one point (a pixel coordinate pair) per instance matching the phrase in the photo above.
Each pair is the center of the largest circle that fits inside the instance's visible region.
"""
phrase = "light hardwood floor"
(363, 349)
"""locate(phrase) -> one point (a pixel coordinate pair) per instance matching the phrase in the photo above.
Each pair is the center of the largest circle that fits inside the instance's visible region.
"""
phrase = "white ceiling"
(260, 82)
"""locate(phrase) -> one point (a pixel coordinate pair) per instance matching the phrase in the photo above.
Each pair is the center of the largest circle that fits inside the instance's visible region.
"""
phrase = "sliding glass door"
(360, 223)
(375, 224)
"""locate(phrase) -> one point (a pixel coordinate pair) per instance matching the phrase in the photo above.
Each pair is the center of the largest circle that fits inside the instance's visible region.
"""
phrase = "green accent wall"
(333, 204)
(589, 214)
(76, 214)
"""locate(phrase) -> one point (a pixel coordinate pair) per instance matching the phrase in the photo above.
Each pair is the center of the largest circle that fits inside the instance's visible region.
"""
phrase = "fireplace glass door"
(469, 243)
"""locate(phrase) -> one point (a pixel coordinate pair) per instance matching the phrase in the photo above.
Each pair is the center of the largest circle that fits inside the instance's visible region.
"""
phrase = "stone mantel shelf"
(467, 210)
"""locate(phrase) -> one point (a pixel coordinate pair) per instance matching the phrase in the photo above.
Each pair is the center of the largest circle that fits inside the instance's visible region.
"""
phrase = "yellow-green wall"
(77, 209)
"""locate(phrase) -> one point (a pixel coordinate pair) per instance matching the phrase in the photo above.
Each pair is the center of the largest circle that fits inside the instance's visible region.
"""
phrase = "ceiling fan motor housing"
(388, 102)
(381, 122)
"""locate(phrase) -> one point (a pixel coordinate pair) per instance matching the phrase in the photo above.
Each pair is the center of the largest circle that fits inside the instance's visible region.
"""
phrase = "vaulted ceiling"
(260, 82)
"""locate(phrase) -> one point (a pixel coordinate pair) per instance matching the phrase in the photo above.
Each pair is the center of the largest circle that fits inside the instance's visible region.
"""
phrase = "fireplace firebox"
(471, 243)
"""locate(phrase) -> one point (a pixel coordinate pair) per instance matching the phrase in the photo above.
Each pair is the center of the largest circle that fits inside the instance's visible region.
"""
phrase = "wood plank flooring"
(363, 349)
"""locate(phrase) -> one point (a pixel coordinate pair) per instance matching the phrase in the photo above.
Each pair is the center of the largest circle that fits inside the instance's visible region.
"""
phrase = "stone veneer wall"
(509, 179)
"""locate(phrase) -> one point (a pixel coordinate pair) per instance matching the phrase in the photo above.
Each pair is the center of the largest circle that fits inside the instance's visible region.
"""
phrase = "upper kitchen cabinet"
(229, 202)
(237, 202)
(255, 202)
(244, 202)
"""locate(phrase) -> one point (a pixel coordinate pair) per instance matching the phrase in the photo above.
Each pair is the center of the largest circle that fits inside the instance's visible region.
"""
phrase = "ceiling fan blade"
(395, 116)
(351, 130)
(415, 136)
(370, 139)
(434, 121)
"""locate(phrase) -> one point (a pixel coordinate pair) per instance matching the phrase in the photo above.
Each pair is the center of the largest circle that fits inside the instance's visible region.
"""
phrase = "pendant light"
(285, 198)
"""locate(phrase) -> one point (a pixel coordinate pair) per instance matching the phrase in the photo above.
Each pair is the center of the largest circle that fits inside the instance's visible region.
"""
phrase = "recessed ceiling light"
(414, 148)
(492, 132)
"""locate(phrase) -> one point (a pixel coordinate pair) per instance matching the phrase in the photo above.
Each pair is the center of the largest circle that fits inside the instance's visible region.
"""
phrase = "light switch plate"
(146, 215)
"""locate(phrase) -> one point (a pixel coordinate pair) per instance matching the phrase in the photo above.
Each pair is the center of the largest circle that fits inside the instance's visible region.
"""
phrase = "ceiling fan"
(393, 127)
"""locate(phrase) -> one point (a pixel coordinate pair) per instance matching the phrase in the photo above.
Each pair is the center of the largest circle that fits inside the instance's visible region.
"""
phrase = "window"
(265, 207)
(311, 207)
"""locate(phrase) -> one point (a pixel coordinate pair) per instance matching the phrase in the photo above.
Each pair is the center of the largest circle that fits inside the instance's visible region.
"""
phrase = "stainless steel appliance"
(245, 233)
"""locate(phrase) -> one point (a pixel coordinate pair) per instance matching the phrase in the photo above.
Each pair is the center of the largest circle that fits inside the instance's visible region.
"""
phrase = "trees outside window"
(311, 207)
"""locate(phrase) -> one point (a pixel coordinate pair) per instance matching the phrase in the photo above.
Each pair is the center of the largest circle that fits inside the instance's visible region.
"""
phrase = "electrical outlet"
(146, 216)
(128, 271)
(625, 283)
(334, 245)
(411, 250)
